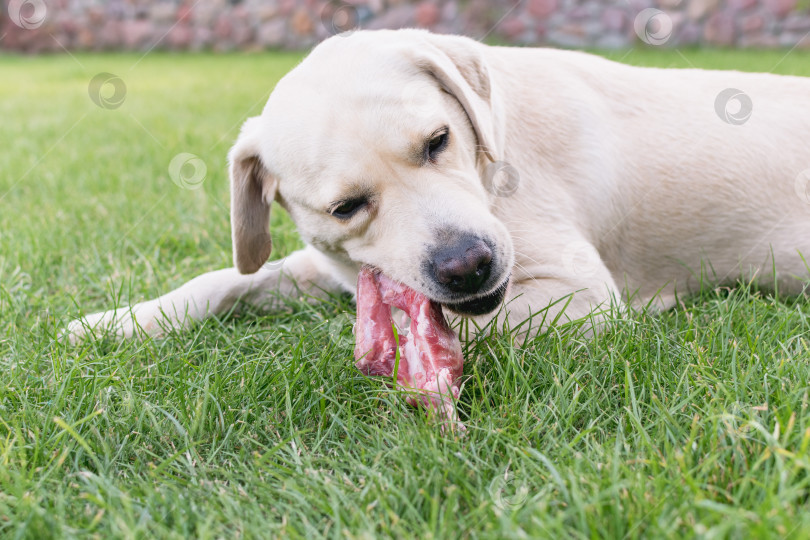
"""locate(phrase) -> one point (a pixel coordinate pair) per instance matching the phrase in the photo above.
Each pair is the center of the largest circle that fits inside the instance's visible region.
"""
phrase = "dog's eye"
(436, 144)
(348, 208)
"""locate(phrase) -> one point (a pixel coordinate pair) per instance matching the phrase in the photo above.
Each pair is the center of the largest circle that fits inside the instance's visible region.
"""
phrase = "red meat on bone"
(430, 360)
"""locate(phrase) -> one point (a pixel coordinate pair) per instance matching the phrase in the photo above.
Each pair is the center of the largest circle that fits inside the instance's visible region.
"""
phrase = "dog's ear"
(253, 189)
(457, 64)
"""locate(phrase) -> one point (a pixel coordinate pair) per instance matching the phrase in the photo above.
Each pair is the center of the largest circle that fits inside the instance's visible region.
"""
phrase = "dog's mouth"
(480, 305)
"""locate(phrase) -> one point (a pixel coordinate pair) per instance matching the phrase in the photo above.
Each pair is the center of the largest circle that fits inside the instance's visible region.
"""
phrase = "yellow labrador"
(483, 176)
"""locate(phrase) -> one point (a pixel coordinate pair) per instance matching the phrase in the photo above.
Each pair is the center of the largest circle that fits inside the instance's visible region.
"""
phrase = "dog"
(499, 181)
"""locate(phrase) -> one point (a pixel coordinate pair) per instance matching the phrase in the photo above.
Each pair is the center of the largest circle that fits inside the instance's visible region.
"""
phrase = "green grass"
(690, 423)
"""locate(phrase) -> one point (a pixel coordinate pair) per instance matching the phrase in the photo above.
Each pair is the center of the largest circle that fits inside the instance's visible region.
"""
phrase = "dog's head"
(376, 145)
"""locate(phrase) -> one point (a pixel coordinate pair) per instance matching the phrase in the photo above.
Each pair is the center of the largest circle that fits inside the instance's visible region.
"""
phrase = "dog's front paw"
(122, 323)
(118, 323)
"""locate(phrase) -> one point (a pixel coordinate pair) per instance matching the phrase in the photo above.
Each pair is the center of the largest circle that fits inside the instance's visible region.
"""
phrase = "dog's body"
(621, 182)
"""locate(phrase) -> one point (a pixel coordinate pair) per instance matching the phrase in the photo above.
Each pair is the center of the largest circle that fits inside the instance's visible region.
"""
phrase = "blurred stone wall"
(55, 25)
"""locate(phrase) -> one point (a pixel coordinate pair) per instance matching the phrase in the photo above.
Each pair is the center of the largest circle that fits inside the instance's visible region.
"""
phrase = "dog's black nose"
(463, 267)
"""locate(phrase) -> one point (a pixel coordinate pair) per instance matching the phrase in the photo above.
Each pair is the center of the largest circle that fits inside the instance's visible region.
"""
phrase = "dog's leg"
(533, 307)
(304, 272)
(533, 304)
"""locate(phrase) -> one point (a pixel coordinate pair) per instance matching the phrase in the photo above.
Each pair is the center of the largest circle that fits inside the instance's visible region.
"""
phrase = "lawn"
(689, 423)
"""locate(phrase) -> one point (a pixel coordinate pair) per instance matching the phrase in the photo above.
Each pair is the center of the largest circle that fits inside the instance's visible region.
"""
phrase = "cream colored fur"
(630, 185)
